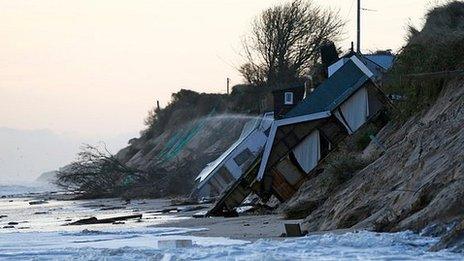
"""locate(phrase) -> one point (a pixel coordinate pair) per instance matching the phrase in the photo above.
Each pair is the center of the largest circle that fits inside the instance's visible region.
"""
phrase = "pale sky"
(96, 67)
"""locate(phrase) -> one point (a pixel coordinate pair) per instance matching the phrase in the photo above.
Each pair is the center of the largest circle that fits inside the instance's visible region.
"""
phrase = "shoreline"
(51, 211)
(40, 229)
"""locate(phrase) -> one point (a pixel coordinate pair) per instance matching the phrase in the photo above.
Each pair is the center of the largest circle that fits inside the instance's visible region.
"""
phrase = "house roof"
(383, 60)
(323, 100)
(332, 92)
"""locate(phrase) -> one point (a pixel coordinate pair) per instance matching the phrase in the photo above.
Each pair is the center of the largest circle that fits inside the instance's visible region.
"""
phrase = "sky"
(95, 67)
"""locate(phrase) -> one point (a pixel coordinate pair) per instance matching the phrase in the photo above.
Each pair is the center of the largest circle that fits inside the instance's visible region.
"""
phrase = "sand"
(55, 212)
(247, 227)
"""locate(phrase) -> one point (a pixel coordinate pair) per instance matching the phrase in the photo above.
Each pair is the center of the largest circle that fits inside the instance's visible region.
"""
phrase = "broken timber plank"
(94, 220)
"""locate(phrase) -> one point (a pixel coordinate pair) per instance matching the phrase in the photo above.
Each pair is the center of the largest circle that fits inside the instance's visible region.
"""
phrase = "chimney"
(286, 99)
(329, 55)
(309, 86)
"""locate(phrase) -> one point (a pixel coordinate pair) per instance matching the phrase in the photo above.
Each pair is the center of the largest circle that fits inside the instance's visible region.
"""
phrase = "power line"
(358, 43)
(351, 7)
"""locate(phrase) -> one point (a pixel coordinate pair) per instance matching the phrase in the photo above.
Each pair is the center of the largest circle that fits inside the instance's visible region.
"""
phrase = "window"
(288, 98)
(226, 175)
(243, 156)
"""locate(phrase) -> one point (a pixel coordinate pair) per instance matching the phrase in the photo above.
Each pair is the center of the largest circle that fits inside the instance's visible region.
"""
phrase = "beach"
(37, 226)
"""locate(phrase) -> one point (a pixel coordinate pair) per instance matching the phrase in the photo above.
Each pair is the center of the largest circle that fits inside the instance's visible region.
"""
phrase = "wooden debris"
(94, 206)
(38, 202)
(191, 208)
(94, 220)
(112, 208)
(200, 214)
(165, 210)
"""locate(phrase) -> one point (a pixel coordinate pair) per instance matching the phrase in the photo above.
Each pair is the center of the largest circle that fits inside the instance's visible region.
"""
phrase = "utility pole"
(228, 83)
(358, 43)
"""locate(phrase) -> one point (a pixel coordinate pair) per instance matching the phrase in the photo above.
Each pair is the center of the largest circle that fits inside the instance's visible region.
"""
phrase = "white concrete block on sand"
(176, 243)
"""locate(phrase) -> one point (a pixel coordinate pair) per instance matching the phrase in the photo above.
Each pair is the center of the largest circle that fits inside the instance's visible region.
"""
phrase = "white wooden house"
(230, 166)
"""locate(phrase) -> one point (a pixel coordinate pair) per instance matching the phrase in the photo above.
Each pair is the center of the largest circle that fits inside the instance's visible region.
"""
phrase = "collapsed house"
(237, 192)
(304, 131)
(231, 165)
(298, 141)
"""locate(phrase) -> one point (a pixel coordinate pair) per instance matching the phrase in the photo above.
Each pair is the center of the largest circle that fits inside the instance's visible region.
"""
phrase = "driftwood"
(94, 220)
(38, 202)
(177, 209)
(164, 210)
(112, 208)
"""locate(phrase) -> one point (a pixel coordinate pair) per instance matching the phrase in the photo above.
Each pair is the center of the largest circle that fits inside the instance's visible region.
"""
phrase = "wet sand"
(245, 227)
(56, 211)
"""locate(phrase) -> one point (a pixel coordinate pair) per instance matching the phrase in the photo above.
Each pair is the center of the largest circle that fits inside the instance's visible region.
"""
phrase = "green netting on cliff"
(180, 140)
(128, 181)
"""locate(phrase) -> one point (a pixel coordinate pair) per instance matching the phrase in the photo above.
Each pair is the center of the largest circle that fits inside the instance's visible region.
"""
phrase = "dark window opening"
(325, 145)
(226, 175)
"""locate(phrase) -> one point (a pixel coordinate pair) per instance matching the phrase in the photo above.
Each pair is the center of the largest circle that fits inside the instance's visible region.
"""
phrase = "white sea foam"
(142, 244)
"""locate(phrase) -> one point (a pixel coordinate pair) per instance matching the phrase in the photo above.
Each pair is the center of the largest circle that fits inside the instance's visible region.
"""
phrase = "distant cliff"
(47, 177)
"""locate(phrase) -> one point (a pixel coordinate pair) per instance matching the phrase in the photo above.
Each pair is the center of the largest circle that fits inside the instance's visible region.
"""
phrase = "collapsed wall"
(418, 181)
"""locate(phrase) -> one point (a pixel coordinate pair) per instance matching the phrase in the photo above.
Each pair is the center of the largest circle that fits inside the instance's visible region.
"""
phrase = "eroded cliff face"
(173, 159)
(418, 181)
(182, 138)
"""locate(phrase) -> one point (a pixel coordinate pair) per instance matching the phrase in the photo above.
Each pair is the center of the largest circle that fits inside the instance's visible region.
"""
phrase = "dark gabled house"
(297, 142)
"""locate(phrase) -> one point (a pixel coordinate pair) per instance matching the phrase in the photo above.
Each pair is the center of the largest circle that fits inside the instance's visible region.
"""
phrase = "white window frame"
(290, 100)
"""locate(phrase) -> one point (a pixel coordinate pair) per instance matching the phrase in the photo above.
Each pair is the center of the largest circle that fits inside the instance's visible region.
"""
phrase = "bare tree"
(97, 173)
(284, 42)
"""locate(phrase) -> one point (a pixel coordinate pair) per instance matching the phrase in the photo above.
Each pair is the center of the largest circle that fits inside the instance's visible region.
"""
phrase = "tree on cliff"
(98, 173)
(284, 42)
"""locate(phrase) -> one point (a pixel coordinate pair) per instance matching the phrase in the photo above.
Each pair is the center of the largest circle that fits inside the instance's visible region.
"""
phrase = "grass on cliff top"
(187, 105)
(438, 47)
